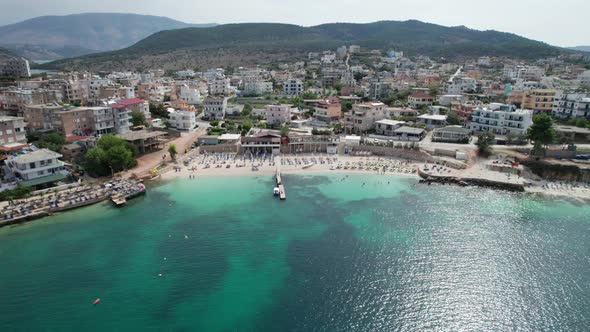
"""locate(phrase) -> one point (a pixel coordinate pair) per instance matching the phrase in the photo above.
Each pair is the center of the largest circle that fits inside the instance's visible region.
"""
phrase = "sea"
(342, 253)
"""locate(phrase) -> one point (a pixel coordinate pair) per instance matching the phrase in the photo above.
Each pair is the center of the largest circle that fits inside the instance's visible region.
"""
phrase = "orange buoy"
(97, 301)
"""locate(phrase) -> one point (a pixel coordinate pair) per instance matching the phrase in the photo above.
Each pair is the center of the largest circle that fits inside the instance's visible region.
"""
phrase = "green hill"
(73, 35)
(412, 37)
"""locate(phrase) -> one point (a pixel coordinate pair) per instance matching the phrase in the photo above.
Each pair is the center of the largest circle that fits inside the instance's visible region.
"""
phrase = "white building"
(432, 121)
(363, 116)
(484, 61)
(275, 113)
(185, 74)
(257, 88)
(459, 84)
(574, 105)
(501, 119)
(215, 107)
(387, 127)
(189, 94)
(219, 86)
(293, 87)
(584, 78)
(35, 168)
(182, 120)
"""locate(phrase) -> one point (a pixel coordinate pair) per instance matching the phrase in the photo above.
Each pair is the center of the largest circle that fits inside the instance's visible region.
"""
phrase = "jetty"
(48, 202)
(279, 180)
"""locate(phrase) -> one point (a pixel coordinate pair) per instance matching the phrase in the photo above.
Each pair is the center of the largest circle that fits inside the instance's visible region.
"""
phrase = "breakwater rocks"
(464, 182)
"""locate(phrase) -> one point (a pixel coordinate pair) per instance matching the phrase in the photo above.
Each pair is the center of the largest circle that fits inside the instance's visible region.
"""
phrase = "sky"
(560, 23)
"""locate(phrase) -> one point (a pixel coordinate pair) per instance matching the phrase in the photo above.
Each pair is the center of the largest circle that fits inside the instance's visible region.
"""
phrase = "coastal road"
(151, 160)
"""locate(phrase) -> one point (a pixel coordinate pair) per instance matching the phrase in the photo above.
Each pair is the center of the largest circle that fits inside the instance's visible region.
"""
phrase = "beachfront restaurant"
(262, 142)
(410, 134)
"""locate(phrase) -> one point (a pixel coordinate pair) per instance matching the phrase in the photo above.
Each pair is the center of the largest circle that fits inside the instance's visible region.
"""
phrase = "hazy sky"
(561, 23)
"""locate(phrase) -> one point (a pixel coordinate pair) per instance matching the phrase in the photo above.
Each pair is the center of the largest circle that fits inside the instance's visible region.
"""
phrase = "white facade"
(501, 119)
(293, 87)
(215, 107)
(257, 88)
(182, 120)
(189, 95)
(34, 165)
(459, 84)
(575, 105)
(275, 114)
(220, 86)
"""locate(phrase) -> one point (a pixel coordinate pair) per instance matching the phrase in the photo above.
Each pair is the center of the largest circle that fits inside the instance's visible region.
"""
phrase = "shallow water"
(343, 253)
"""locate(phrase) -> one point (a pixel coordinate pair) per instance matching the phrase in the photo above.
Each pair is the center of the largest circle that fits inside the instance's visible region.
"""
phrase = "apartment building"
(128, 105)
(17, 98)
(73, 122)
(328, 110)
(275, 113)
(572, 105)
(292, 87)
(538, 100)
(363, 116)
(39, 117)
(215, 107)
(219, 86)
(182, 120)
(18, 67)
(420, 99)
(501, 119)
(459, 84)
(12, 130)
(257, 88)
(189, 94)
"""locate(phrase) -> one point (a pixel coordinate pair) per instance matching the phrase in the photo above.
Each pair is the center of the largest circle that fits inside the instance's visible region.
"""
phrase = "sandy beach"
(232, 165)
(237, 165)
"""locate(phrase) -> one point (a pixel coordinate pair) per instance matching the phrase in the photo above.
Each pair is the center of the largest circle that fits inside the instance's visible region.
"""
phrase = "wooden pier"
(282, 194)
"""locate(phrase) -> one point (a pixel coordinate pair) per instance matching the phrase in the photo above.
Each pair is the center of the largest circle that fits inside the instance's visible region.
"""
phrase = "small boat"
(97, 301)
(276, 191)
(307, 166)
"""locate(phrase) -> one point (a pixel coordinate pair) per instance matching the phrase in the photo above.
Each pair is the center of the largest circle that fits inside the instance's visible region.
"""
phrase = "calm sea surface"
(343, 253)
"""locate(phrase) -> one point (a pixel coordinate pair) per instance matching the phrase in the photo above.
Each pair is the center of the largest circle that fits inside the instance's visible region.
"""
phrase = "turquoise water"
(343, 253)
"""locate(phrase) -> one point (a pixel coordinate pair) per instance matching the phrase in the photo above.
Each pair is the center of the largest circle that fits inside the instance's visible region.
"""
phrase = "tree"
(137, 118)
(453, 119)
(172, 151)
(284, 131)
(159, 111)
(51, 141)
(541, 133)
(484, 142)
(111, 154)
(247, 109)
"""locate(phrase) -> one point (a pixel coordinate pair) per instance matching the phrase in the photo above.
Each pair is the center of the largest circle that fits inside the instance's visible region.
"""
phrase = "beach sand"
(291, 164)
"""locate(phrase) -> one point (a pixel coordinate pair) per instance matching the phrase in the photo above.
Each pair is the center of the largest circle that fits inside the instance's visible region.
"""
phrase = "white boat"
(276, 191)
